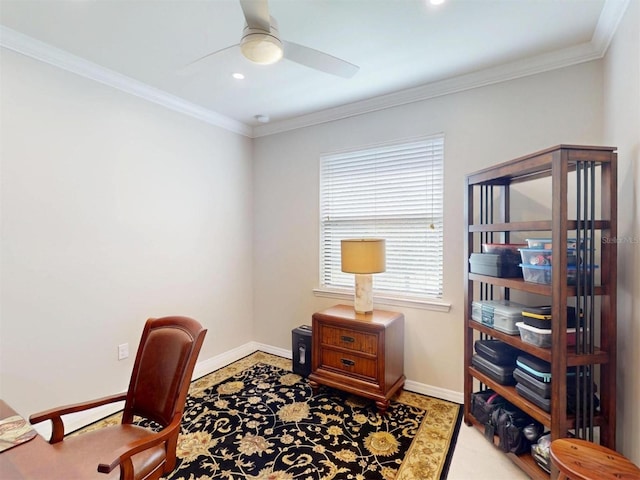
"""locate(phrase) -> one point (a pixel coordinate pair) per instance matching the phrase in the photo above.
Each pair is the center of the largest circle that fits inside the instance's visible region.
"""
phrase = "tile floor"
(475, 459)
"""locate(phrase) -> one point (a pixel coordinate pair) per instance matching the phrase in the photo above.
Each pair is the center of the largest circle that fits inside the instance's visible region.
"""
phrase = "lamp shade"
(363, 255)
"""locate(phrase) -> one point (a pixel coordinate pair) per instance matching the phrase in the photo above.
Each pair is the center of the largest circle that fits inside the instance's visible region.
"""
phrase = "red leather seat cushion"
(87, 450)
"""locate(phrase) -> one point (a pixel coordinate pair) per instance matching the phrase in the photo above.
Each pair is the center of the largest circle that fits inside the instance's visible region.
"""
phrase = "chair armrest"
(55, 414)
(123, 455)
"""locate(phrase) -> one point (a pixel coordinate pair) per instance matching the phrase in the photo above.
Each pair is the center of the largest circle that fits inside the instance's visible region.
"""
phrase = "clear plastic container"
(547, 243)
(541, 256)
(542, 273)
(536, 273)
(476, 311)
(509, 257)
(503, 248)
(542, 337)
(499, 314)
(495, 265)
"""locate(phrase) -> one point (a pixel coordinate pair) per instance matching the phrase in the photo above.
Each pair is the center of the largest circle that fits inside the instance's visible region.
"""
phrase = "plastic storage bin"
(505, 318)
(547, 243)
(499, 314)
(476, 311)
(509, 253)
(494, 265)
(506, 249)
(540, 256)
(542, 337)
(542, 273)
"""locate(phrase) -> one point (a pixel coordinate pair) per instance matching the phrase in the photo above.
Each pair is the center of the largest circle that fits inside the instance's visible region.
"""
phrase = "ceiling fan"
(261, 43)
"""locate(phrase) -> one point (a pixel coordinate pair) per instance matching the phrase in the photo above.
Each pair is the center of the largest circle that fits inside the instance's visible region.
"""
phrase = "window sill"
(387, 299)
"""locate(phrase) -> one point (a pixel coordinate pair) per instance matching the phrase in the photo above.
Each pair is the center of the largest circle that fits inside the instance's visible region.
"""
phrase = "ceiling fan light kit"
(260, 46)
(260, 43)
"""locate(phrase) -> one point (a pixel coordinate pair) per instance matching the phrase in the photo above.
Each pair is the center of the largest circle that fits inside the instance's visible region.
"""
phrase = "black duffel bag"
(484, 403)
(515, 429)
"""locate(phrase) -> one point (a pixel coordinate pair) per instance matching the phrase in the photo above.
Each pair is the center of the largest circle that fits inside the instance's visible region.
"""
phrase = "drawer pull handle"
(344, 338)
(348, 363)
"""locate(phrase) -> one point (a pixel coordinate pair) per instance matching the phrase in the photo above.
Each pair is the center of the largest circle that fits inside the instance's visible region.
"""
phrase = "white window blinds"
(393, 192)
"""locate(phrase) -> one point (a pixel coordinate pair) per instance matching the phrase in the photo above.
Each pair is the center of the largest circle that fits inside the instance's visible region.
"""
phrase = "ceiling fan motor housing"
(261, 46)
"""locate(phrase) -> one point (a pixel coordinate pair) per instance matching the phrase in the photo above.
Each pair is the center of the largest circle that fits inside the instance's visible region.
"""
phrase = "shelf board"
(509, 392)
(520, 284)
(573, 359)
(539, 164)
(529, 466)
(524, 461)
(535, 226)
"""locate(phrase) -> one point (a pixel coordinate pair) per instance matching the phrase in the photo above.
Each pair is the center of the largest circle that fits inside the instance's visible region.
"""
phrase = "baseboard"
(431, 391)
(79, 420)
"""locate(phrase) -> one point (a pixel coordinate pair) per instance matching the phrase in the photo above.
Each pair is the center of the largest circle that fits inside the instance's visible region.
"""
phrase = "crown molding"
(502, 73)
(610, 17)
(44, 52)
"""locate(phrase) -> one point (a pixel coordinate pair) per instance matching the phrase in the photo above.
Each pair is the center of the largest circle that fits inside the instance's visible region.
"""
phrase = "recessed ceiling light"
(238, 76)
(436, 2)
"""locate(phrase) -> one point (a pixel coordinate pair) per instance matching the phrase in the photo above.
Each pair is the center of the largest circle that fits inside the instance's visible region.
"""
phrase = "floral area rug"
(256, 420)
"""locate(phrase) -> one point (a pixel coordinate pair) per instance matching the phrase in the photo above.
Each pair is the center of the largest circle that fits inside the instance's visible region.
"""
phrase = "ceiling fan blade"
(199, 64)
(319, 60)
(256, 13)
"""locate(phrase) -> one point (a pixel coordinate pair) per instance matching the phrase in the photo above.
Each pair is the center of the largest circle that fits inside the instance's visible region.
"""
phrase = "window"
(393, 192)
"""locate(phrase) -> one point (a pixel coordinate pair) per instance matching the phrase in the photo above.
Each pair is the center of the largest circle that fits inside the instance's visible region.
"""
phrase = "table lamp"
(363, 256)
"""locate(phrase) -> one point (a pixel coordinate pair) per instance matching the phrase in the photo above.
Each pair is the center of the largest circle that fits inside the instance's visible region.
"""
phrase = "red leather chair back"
(166, 357)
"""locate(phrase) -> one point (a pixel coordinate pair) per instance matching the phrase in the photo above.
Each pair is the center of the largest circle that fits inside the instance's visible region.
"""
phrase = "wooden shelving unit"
(583, 205)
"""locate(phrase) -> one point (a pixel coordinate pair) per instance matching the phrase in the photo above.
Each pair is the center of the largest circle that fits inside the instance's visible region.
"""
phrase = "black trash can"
(301, 347)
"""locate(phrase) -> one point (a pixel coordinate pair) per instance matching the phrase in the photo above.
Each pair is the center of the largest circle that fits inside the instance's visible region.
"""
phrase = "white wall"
(113, 210)
(622, 128)
(482, 127)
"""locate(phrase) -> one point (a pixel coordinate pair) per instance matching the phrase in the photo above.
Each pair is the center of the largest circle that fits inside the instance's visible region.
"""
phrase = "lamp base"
(363, 301)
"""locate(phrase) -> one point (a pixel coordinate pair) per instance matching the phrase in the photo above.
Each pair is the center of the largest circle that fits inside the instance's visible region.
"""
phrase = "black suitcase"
(502, 374)
(538, 369)
(542, 389)
(497, 352)
(540, 317)
(543, 403)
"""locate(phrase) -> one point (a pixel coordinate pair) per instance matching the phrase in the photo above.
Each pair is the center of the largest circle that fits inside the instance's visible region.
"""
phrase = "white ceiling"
(406, 49)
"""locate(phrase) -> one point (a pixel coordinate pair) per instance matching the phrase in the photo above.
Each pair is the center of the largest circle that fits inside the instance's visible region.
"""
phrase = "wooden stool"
(581, 460)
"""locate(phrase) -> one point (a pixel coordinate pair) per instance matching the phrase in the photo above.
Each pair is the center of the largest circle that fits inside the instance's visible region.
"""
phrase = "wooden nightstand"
(359, 353)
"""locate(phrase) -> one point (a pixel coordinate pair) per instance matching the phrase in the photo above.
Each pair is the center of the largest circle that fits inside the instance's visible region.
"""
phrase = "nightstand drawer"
(351, 364)
(347, 338)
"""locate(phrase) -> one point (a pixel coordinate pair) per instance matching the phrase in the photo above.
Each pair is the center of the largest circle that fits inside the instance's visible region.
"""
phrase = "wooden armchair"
(158, 389)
